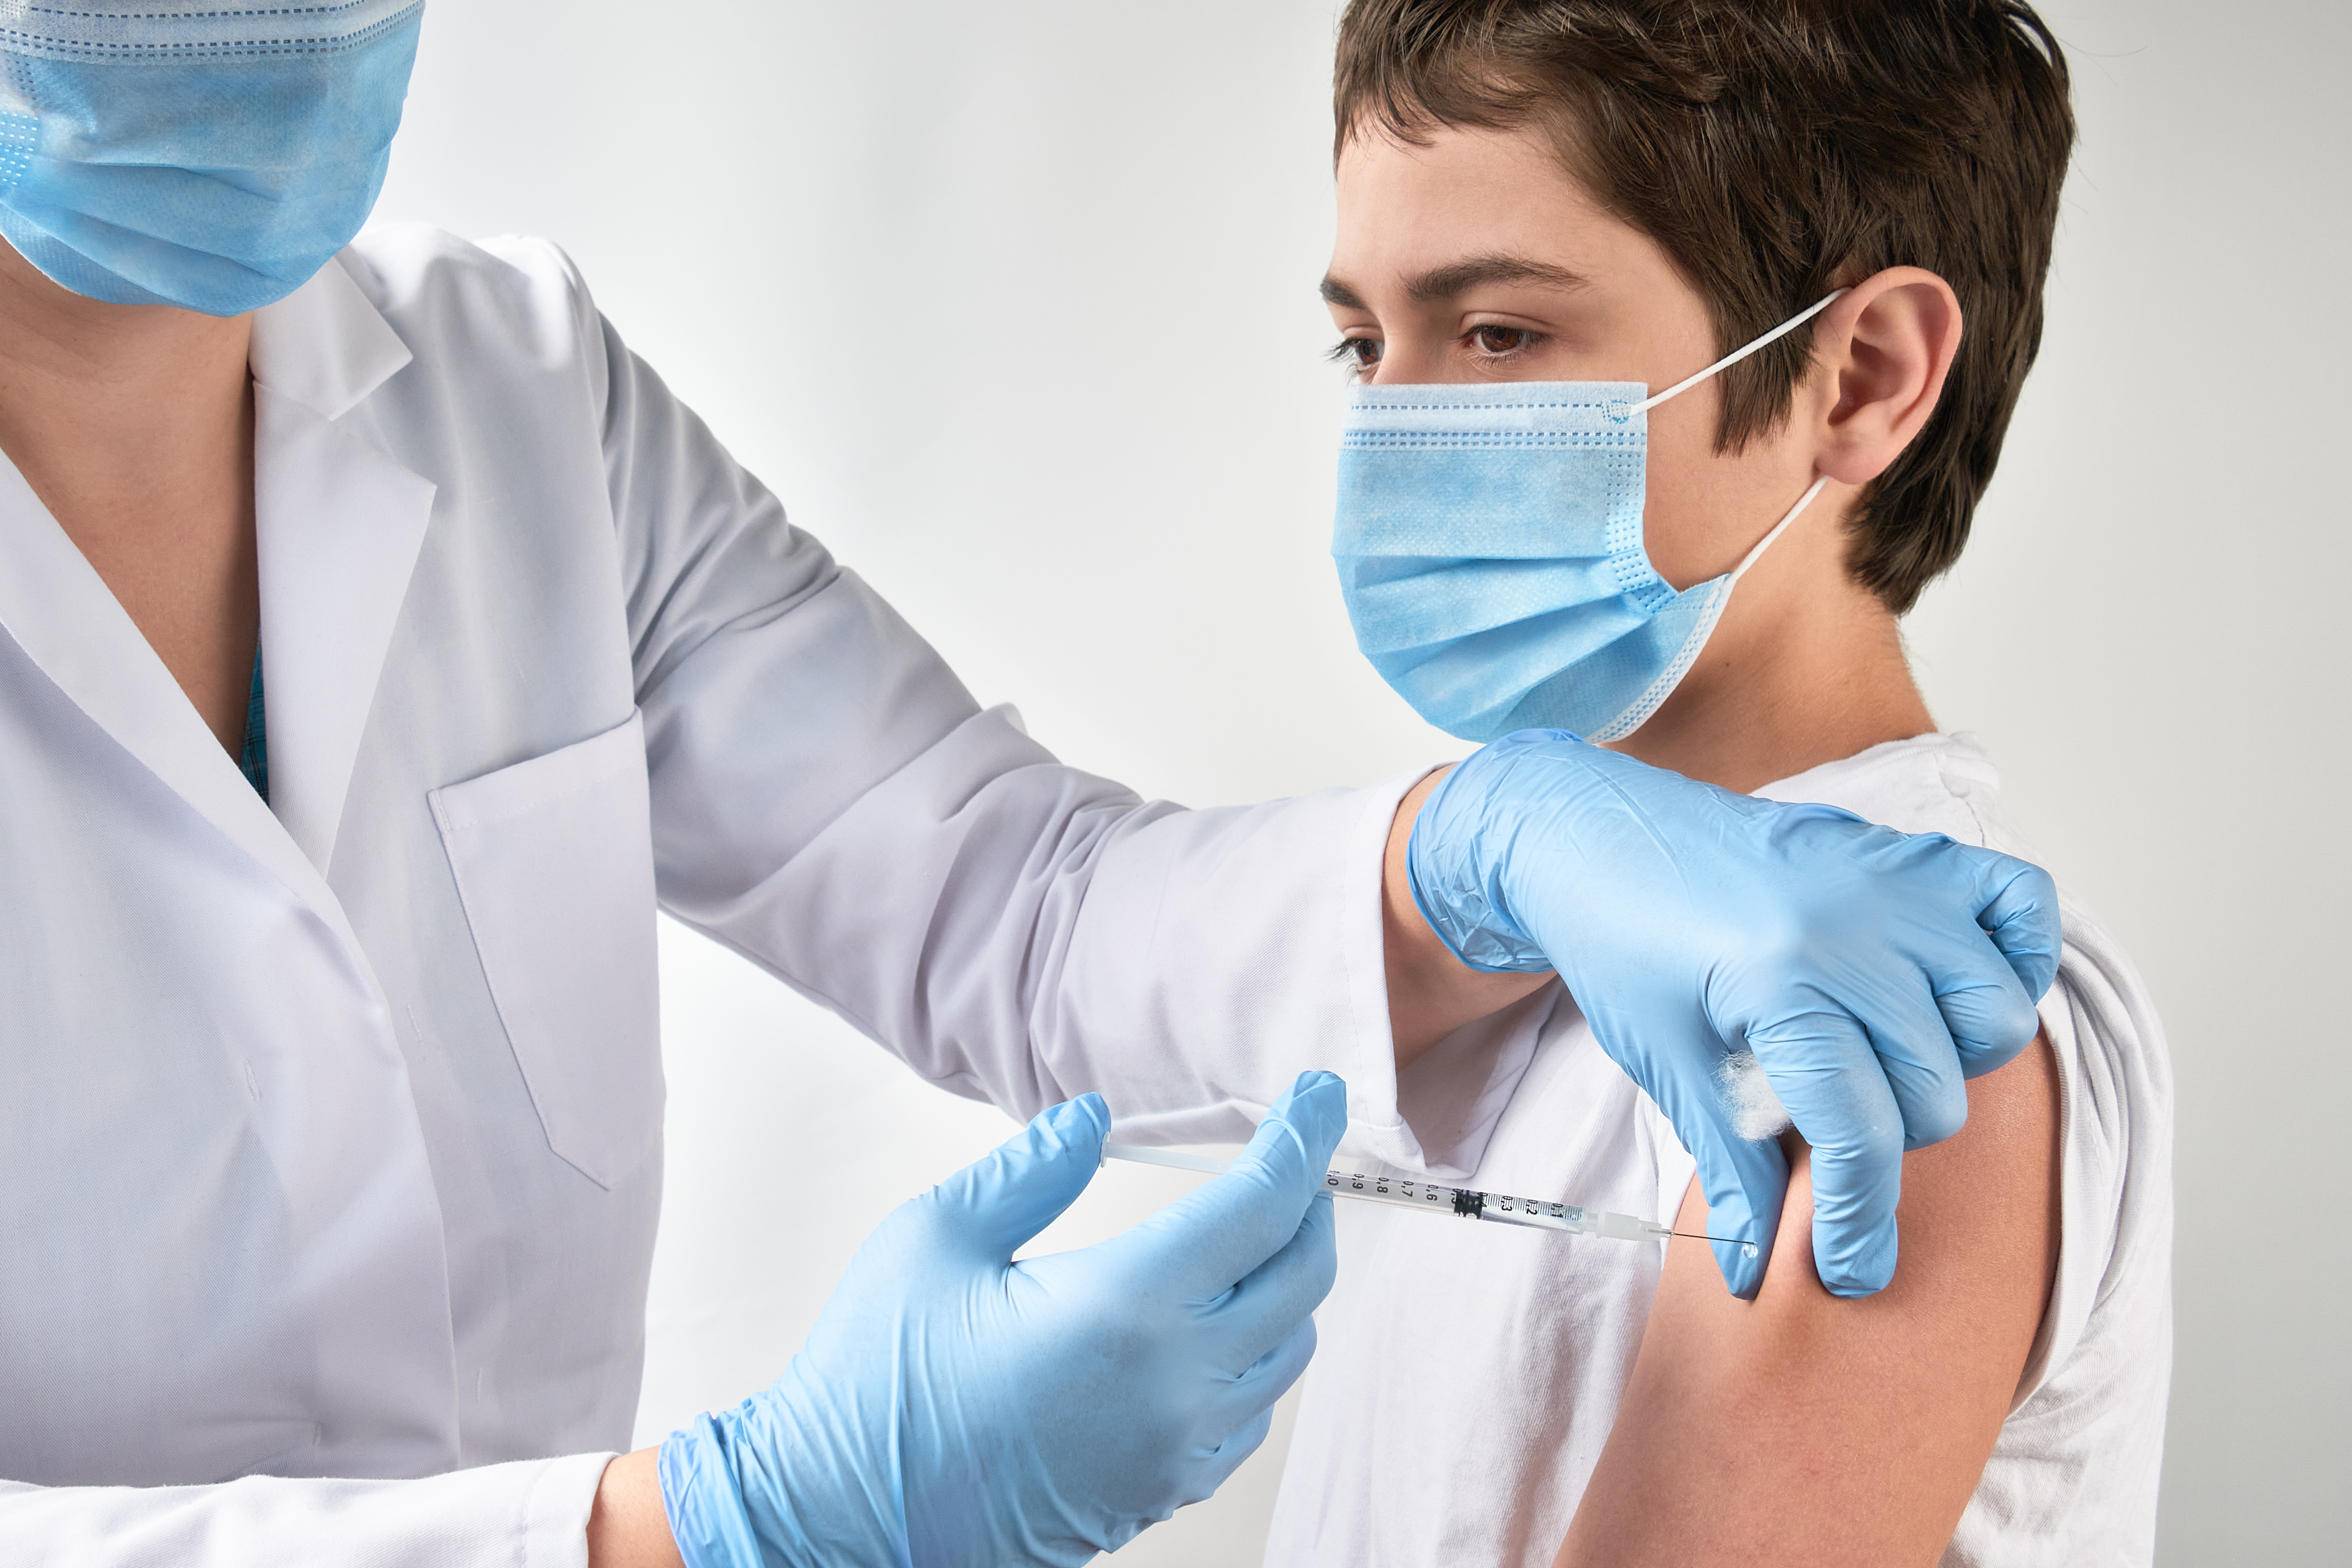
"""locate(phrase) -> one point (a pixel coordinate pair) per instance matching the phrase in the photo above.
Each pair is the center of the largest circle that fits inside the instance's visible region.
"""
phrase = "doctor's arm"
(1802, 1428)
(628, 1527)
(829, 800)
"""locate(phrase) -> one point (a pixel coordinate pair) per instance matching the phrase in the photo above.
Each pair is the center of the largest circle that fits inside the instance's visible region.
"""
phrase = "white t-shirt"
(1469, 1373)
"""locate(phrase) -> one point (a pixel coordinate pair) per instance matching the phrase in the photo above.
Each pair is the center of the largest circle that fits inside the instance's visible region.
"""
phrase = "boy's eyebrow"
(1338, 293)
(1461, 277)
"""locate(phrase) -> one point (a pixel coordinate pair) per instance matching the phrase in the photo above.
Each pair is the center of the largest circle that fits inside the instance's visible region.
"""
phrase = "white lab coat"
(329, 1128)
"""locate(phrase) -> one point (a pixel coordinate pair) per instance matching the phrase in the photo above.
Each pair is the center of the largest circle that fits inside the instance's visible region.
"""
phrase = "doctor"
(380, 644)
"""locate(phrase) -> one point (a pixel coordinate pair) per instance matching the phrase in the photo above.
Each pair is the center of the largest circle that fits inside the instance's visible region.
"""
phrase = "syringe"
(1429, 1198)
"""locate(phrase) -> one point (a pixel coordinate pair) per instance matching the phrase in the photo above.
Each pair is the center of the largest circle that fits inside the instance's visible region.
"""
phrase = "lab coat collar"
(325, 346)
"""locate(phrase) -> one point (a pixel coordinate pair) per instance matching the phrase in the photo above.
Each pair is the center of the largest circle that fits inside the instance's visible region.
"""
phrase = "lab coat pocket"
(553, 858)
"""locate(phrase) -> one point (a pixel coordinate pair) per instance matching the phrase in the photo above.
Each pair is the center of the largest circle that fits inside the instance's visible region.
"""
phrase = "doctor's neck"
(133, 426)
(124, 374)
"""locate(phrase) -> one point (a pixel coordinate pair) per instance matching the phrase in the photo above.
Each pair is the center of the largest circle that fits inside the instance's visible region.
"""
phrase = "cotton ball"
(1756, 1110)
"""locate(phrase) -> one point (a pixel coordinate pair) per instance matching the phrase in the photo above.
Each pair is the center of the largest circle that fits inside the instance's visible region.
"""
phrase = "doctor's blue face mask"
(1489, 546)
(210, 156)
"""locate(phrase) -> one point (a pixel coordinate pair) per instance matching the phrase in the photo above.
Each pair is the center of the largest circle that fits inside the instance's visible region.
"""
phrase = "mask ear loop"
(1624, 411)
(1779, 529)
(1620, 412)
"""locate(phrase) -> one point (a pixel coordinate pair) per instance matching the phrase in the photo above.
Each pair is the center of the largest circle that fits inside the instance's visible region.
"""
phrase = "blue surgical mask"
(1489, 544)
(167, 152)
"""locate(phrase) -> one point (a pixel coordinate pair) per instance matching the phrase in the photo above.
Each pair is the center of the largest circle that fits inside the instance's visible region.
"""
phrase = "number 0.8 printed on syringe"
(1467, 1203)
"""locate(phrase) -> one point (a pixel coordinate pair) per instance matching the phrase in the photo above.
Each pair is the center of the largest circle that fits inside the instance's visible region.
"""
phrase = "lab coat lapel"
(341, 523)
(61, 613)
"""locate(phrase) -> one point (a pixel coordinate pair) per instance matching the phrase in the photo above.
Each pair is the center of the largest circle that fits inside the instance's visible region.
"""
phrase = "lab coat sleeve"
(532, 1514)
(830, 801)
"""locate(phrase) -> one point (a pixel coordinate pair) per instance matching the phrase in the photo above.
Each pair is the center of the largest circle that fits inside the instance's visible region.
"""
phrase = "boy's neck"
(1767, 701)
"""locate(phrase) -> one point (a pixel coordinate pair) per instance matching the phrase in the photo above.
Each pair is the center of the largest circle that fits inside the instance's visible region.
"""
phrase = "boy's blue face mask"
(1489, 544)
(163, 152)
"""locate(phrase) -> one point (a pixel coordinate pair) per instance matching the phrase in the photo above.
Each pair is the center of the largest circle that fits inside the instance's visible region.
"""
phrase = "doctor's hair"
(1775, 150)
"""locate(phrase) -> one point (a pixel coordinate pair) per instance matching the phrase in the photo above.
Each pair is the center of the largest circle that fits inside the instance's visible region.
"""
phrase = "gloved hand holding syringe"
(1432, 1197)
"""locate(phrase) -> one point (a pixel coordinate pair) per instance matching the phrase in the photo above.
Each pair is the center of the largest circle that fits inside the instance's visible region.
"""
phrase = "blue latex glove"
(954, 1407)
(1868, 971)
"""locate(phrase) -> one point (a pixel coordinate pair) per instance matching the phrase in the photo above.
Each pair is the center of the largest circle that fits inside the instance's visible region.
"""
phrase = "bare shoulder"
(1805, 1429)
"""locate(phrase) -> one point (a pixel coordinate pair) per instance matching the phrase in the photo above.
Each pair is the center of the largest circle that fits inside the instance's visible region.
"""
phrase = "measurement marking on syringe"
(1471, 1203)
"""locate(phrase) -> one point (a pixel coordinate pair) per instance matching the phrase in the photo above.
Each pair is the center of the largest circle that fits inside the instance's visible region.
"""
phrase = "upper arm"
(1806, 1428)
(778, 689)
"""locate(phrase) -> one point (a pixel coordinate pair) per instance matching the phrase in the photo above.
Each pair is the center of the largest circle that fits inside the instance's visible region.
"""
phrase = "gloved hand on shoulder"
(1867, 971)
(953, 1407)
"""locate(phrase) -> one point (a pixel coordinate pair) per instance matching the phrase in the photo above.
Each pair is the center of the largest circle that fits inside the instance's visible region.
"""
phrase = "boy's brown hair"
(1776, 149)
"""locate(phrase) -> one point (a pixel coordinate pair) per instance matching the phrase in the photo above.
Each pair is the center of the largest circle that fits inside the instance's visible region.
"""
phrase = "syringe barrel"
(1385, 1190)
(1529, 1212)
(1494, 1207)
(1432, 1197)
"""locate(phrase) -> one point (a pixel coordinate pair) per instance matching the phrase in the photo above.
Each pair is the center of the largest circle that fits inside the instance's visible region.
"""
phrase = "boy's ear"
(1885, 347)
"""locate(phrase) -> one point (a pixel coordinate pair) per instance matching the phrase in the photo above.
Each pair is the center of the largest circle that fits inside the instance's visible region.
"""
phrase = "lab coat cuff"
(554, 1510)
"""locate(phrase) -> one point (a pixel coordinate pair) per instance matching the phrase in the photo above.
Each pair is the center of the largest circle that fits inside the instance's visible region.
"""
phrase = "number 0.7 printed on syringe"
(1465, 1202)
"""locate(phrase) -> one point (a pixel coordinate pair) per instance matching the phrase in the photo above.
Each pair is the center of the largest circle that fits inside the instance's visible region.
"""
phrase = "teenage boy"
(1551, 215)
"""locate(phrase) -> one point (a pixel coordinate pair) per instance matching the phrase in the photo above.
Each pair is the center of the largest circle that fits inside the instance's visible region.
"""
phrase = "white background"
(1013, 303)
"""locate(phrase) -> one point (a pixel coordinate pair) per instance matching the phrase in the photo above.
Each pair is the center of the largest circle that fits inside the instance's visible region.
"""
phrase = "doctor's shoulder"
(472, 303)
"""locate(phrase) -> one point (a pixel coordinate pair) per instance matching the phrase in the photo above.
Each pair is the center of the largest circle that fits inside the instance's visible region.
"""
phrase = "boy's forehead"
(1472, 206)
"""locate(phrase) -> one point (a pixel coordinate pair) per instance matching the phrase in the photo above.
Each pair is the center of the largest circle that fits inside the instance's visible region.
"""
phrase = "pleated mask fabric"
(1489, 543)
(208, 157)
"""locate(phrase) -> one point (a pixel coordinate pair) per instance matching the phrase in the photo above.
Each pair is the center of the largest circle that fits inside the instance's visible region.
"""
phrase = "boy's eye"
(1500, 340)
